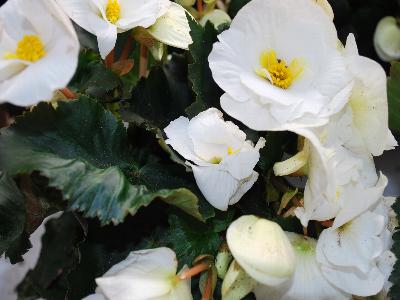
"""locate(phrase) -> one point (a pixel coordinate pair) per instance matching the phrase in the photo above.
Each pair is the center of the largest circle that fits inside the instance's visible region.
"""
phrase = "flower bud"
(217, 17)
(237, 283)
(262, 249)
(222, 261)
(387, 39)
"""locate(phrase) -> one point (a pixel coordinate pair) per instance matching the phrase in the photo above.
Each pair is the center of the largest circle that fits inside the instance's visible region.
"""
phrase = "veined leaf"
(84, 152)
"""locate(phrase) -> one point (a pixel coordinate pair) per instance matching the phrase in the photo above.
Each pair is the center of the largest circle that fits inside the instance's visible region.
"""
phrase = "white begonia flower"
(219, 155)
(340, 183)
(369, 103)
(38, 51)
(387, 39)
(144, 275)
(262, 249)
(280, 66)
(307, 282)
(107, 18)
(355, 257)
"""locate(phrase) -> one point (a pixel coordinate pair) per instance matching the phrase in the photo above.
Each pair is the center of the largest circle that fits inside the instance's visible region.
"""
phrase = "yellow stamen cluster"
(277, 71)
(113, 11)
(231, 151)
(29, 48)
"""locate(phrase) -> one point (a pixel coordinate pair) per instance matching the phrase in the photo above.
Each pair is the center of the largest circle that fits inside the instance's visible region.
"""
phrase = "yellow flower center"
(113, 11)
(277, 71)
(231, 151)
(29, 48)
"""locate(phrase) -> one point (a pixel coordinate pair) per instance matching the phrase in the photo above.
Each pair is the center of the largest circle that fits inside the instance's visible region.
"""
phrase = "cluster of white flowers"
(39, 47)
(282, 67)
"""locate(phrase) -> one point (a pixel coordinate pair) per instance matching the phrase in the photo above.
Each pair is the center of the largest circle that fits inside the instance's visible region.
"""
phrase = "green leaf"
(235, 6)
(394, 278)
(394, 96)
(13, 239)
(160, 98)
(190, 238)
(59, 255)
(206, 90)
(84, 151)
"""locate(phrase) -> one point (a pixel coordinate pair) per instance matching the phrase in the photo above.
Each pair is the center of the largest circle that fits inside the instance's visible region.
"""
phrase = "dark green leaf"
(84, 152)
(190, 238)
(394, 96)
(13, 239)
(59, 255)
(206, 90)
(160, 98)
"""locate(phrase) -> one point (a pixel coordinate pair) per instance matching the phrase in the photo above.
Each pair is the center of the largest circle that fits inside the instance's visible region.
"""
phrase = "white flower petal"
(82, 12)
(212, 136)
(356, 245)
(359, 199)
(144, 274)
(136, 13)
(217, 186)
(172, 28)
(307, 282)
(244, 186)
(351, 281)
(368, 100)
(94, 297)
(179, 139)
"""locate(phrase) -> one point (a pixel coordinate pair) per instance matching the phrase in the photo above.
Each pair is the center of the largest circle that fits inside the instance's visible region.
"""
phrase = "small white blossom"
(107, 18)
(144, 275)
(219, 155)
(38, 51)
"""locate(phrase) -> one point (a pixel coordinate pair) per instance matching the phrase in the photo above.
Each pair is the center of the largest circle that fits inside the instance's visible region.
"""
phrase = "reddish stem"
(327, 223)
(143, 61)
(208, 287)
(68, 93)
(127, 48)
(197, 269)
(200, 6)
(109, 59)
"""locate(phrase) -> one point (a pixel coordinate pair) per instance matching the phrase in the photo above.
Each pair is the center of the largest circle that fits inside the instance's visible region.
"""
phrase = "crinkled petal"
(356, 245)
(359, 200)
(244, 186)
(350, 280)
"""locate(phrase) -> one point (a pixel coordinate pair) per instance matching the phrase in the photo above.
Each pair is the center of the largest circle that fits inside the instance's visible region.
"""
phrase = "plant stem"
(109, 59)
(68, 93)
(143, 61)
(128, 46)
(208, 287)
(197, 269)
(200, 6)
